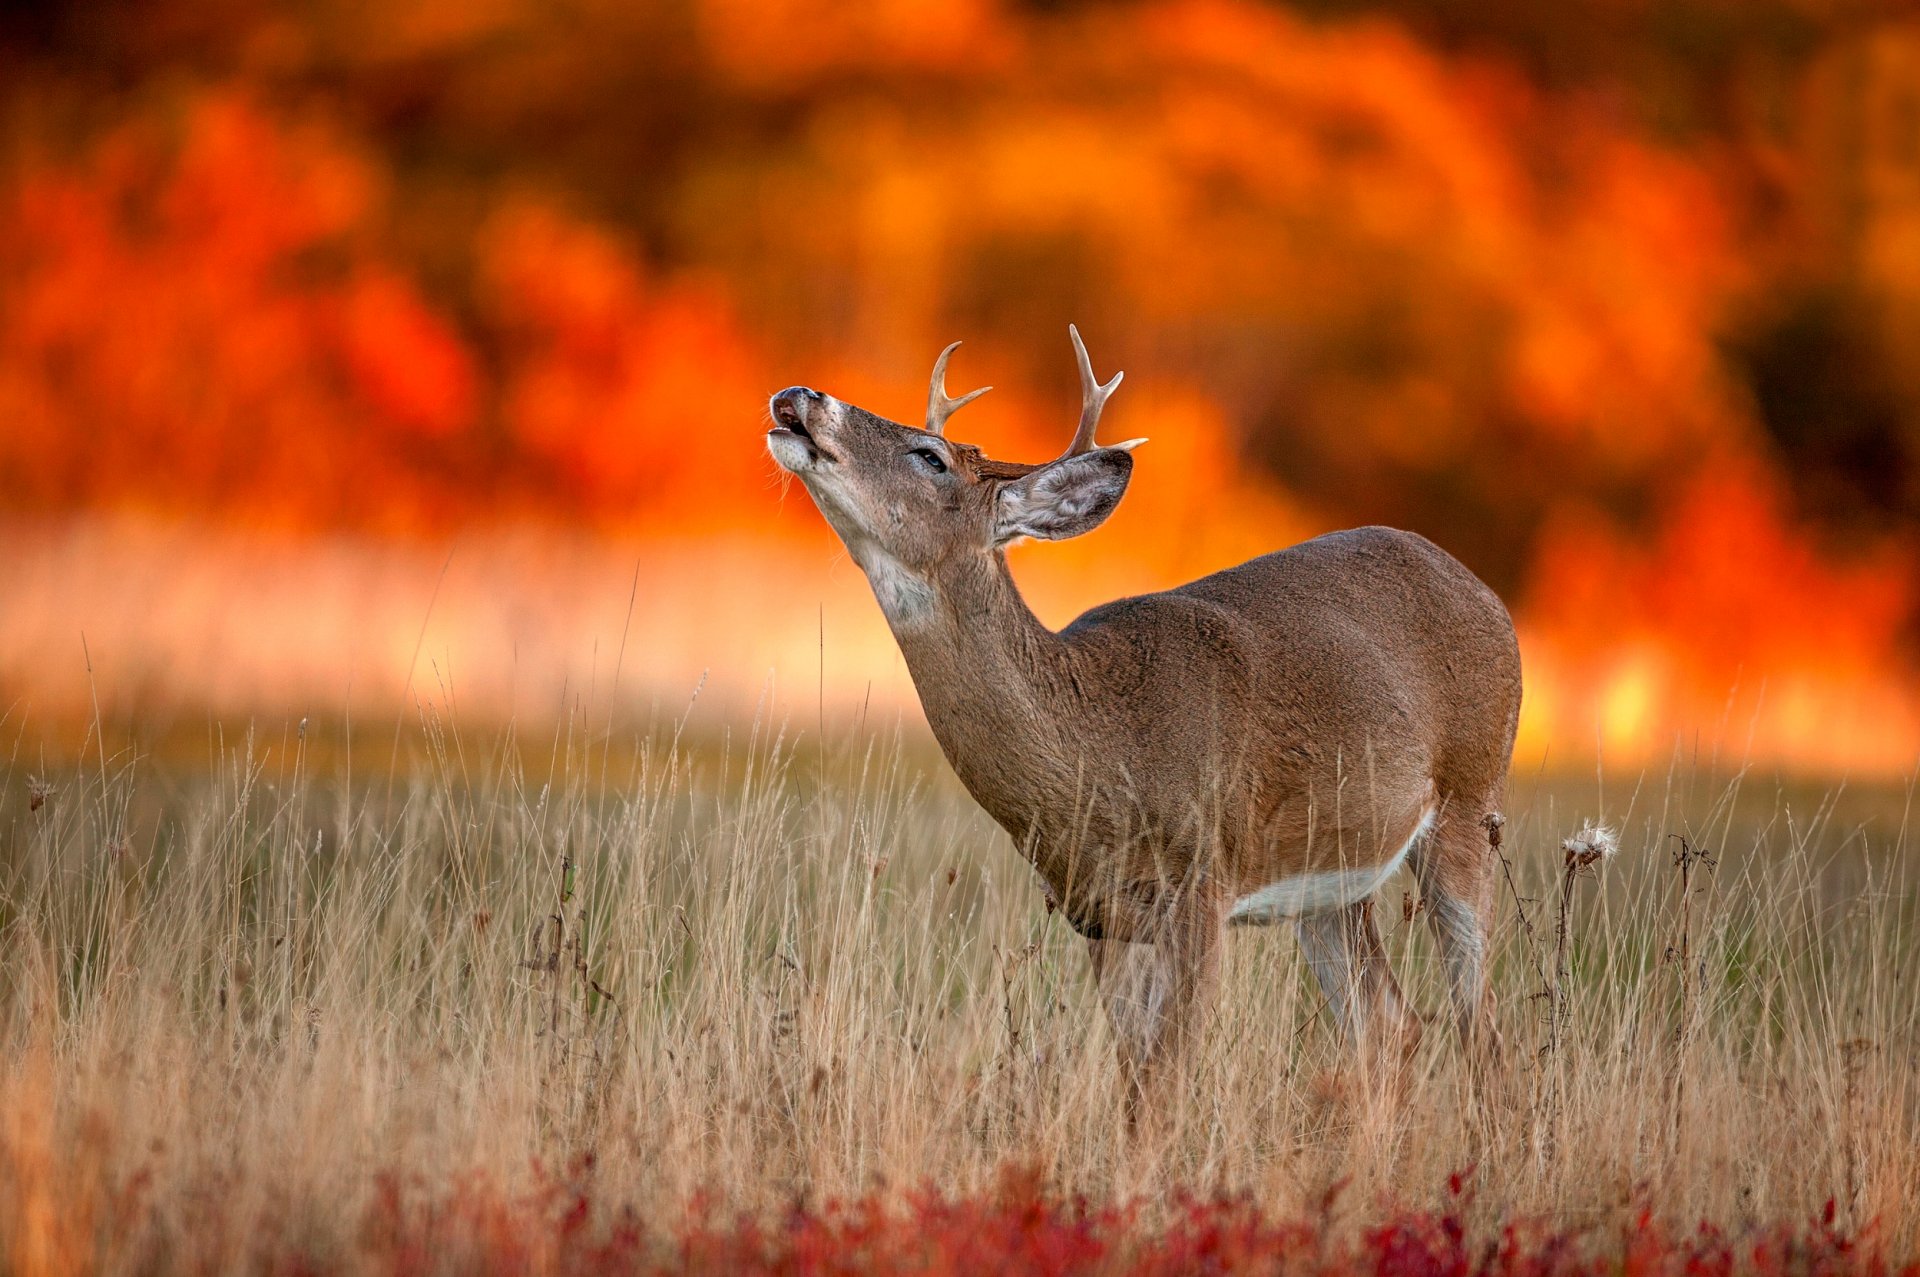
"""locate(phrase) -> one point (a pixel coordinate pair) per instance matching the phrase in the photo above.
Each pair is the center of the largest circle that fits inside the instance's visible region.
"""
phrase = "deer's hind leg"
(1457, 867)
(1344, 950)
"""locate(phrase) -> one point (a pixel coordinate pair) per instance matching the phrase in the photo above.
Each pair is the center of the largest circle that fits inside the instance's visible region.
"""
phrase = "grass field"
(460, 999)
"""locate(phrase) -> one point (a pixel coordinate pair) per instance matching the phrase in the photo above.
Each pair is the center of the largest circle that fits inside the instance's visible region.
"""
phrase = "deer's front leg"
(1158, 996)
(1128, 976)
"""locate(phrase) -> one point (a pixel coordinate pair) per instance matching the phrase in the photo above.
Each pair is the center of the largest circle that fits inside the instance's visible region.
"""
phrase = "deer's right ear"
(1063, 499)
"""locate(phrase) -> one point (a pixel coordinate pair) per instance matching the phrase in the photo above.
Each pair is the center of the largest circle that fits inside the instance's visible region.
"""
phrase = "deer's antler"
(1093, 397)
(939, 407)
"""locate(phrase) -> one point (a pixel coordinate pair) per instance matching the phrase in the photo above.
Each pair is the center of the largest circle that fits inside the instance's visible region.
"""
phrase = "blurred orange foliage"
(206, 318)
(427, 267)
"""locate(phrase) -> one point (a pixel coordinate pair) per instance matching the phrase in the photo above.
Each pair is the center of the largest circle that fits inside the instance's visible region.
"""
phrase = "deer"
(1265, 745)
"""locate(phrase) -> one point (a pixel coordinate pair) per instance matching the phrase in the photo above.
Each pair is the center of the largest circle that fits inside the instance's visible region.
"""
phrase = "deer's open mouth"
(787, 417)
(787, 424)
(792, 441)
(794, 447)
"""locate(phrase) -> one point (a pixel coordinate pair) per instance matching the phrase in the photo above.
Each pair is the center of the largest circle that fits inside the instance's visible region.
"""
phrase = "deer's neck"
(996, 684)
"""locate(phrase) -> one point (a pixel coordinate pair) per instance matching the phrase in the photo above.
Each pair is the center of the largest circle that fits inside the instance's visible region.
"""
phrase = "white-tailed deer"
(1266, 744)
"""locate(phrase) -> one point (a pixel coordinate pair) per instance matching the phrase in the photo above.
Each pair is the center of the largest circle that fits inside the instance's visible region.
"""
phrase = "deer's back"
(1365, 662)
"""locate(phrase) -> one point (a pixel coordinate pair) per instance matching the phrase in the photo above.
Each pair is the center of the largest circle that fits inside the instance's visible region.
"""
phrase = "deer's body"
(1268, 743)
(1299, 716)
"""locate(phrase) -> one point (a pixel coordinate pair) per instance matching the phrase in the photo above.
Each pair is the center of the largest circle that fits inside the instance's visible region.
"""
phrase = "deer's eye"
(929, 458)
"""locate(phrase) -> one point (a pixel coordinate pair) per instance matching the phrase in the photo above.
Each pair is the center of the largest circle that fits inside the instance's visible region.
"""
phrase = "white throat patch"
(905, 598)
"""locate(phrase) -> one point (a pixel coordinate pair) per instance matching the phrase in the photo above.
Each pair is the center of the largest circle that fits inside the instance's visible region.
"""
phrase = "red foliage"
(208, 317)
(1021, 1228)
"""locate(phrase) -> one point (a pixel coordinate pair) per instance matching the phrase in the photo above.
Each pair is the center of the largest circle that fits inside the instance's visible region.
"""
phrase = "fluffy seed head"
(1593, 844)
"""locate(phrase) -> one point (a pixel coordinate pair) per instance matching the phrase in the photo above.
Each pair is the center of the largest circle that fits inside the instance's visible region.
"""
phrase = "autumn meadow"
(462, 809)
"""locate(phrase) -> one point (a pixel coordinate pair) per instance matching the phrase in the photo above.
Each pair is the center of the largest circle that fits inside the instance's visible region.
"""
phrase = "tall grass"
(239, 998)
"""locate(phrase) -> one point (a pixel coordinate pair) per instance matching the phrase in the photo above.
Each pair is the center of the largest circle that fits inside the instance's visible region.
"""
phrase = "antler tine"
(939, 407)
(1093, 397)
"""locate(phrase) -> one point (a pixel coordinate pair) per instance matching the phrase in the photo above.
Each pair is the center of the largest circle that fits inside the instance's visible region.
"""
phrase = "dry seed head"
(1593, 844)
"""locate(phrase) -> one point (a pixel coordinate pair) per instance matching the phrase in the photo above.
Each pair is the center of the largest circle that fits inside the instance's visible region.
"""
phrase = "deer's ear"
(1063, 499)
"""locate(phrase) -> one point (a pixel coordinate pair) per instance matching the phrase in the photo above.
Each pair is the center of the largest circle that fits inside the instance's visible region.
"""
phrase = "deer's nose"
(790, 406)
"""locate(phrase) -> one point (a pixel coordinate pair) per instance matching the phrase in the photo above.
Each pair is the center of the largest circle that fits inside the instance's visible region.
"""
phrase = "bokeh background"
(358, 359)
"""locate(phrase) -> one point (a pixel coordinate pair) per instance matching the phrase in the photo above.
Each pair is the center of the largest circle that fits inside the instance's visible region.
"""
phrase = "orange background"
(354, 354)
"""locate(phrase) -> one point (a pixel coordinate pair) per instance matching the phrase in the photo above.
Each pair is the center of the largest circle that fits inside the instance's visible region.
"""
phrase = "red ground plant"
(1022, 1228)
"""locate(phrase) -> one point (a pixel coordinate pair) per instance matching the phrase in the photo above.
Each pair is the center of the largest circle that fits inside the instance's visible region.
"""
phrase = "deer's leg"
(1458, 871)
(1126, 975)
(1344, 949)
(1158, 996)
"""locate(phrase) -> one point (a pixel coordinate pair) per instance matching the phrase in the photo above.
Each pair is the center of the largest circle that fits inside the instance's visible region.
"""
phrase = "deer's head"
(907, 500)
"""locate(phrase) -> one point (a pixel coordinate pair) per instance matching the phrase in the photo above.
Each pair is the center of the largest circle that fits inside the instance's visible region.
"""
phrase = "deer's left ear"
(1063, 499)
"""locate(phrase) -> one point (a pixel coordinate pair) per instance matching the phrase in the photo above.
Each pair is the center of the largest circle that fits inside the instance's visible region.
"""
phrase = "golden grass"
(232, 995)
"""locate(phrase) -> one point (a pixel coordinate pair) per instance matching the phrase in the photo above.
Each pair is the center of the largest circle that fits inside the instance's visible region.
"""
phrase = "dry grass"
(234, 995)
